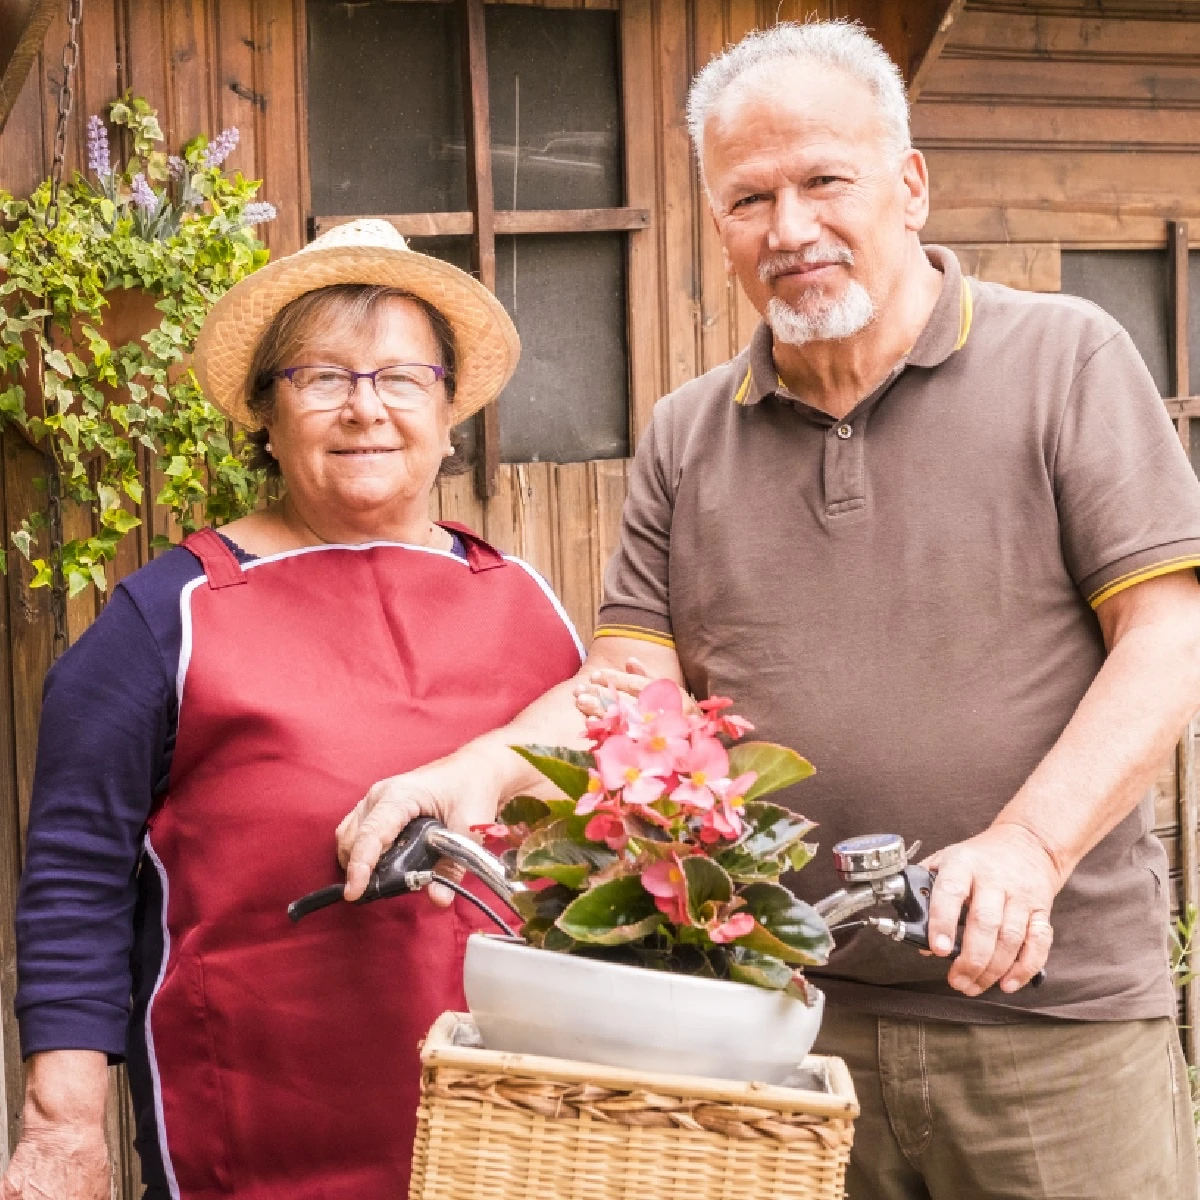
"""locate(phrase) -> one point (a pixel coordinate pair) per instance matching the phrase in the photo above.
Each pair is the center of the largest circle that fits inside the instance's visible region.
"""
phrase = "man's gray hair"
(842, 44)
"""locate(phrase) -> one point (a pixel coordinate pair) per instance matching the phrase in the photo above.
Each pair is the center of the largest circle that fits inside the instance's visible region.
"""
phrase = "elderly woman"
(234, 699)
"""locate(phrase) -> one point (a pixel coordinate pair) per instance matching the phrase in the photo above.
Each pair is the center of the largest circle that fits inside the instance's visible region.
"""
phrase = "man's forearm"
(1109, 753)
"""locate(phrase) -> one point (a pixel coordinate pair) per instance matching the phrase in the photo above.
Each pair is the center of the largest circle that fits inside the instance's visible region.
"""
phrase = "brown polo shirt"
(903, 596)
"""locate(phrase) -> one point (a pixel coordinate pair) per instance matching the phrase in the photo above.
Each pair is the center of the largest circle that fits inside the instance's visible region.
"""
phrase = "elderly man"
(940, 536)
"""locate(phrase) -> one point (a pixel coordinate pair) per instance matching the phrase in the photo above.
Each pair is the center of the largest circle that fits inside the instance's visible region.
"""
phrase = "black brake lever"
(408, 856)
(912, 907)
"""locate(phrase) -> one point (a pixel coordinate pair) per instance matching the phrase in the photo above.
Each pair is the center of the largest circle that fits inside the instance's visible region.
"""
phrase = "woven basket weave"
(496, 1126)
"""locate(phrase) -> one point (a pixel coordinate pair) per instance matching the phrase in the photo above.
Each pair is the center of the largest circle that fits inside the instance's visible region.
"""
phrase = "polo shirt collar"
(945, 332)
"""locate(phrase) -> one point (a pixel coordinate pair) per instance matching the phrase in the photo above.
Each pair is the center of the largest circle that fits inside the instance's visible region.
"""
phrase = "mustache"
(777, 264)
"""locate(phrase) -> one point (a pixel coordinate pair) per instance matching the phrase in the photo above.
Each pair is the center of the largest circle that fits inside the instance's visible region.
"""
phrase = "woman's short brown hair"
(352, 304)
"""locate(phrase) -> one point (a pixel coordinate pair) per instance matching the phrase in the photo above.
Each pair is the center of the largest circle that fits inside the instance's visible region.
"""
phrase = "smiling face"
(363, 458)
(815, 205)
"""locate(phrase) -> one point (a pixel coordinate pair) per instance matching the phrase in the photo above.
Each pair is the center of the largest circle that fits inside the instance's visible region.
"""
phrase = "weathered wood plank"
(611, 485)
(189, 58)
(1051, 38)
(23, 26)
(501, 516)
(1099, 81)
(639, 109)
(234, 72)
(282, 150)
(1004, 124)
(144, 22)
(22, 145)
(536, 500)
(1033, 268)
(10, 849)
(677, 232)
(717, 308)
(507, 221)
(458, 502)
(577, 535)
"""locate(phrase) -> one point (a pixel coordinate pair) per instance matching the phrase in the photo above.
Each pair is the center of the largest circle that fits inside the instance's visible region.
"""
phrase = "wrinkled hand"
(591, 698)
(1009, 879)
(58, 1162)
(457, 794)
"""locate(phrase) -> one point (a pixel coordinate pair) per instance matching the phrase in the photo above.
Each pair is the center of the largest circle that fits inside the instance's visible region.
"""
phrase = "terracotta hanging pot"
(129, 316)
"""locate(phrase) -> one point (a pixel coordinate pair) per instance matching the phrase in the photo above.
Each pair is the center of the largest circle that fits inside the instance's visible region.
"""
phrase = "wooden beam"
(1189, 827)
(1177, 248)
(506, 221)
(477, 123)
(23, 25)
(913, 33)
(1179, 407)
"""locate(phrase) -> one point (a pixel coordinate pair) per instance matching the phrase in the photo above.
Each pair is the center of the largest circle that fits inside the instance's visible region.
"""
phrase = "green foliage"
(102, 401)
(659, 891)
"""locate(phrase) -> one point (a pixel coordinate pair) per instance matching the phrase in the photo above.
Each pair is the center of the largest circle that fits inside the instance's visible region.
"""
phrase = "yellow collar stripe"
(740, 395)
(968, 311)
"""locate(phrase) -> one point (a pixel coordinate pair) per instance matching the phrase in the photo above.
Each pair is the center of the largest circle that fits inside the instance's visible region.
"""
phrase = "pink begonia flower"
(659, 721)
(593, 797)
(639, 771)
(724, 820)
(614, 719)
(666, 882)
(604, 827)
(704, 763)
(737, 926)
(726, 723)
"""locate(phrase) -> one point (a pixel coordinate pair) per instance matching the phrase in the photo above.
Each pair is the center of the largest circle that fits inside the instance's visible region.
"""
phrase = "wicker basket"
(496, 1126)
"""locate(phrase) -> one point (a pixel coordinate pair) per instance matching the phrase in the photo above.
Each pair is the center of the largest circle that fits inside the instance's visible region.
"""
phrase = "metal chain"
(66, 97)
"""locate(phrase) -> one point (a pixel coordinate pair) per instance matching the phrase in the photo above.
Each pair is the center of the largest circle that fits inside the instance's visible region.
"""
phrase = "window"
(1138, 288)
(528, 193)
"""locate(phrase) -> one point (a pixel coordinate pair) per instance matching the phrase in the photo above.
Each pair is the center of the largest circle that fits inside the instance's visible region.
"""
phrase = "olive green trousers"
(1058, 1110)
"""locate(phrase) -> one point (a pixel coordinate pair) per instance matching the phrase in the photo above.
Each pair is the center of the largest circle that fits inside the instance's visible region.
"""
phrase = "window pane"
(554, 95)
(1131, 285)
(385, 125)
(568, 399)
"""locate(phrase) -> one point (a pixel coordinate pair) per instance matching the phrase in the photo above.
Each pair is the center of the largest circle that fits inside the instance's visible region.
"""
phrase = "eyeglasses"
(403, 387)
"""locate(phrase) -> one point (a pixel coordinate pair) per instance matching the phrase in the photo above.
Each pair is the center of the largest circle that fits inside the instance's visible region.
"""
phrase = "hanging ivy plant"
(177, 229)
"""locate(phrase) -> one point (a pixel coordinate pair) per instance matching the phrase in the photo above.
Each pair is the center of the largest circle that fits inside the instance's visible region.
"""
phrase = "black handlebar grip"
(314, 900)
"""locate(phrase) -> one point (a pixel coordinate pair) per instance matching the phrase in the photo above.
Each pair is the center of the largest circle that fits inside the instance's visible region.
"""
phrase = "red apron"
(285, 1056)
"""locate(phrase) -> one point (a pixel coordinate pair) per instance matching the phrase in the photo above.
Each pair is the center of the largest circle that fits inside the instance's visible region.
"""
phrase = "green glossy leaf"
(771, 829)
(543, 904)
(761, 970)
(612, 913)
(524, 810)
(785, 927)
(707, 884)
(776, 766)
(566, 769)
(559, 851)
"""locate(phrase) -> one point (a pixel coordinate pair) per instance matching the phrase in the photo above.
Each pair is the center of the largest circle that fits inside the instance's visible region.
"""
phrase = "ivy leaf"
(612, 913)
(121, 520)
(56, 360)
(566, 769)
(776, 766)
(23, 540)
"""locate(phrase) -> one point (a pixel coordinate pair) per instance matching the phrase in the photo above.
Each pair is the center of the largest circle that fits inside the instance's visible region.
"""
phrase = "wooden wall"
(1045, 126)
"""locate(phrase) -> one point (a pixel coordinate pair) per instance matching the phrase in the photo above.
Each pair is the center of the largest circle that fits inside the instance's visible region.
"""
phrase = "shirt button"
(844, 431)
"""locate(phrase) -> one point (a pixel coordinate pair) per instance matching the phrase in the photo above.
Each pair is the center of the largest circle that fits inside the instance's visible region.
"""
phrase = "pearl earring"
(269, 448)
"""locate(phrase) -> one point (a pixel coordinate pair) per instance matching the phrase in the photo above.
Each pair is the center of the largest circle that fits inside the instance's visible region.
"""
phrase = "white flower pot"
(530, 1001)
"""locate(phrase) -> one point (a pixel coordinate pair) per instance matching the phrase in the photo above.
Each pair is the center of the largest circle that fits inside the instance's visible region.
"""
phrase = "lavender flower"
(258, 212)
(97, 148)
(144, 196)
(221, 147)
(175, 166)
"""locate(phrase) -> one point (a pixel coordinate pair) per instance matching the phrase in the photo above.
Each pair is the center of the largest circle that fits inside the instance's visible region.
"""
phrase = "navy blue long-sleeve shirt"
(107, 732)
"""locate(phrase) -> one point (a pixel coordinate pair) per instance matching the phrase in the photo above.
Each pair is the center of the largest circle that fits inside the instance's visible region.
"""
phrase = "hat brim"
(486, 340)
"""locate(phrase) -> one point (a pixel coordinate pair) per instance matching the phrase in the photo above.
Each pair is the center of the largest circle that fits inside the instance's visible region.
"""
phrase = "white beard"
(841, 318)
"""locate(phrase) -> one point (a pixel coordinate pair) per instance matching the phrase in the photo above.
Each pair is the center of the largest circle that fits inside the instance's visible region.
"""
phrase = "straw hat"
(366, 251)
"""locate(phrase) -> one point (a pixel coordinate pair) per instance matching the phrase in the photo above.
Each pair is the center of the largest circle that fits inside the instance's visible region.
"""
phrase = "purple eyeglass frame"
(439, 373)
